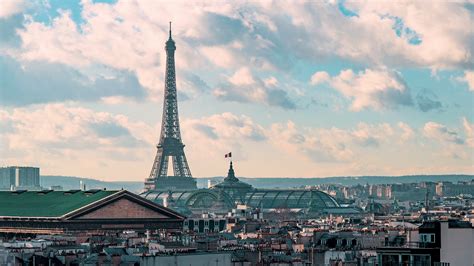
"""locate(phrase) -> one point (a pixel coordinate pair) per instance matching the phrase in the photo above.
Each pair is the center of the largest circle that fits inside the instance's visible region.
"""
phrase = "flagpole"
(228, 155)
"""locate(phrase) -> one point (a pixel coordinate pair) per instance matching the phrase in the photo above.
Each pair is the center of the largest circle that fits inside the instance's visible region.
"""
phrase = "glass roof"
(294, 199)
(268, 199)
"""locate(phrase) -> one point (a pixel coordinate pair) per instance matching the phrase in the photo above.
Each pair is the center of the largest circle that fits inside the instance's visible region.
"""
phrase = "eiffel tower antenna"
(170, 144)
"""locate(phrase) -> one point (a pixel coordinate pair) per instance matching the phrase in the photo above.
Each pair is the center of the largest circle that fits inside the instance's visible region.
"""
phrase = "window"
(421, 259)
(427, 238)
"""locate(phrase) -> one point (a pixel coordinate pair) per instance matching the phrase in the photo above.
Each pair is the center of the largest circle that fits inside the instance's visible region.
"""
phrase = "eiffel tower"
(170, 145)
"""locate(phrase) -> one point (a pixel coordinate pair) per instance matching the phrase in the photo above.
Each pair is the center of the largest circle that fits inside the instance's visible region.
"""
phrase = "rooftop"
(47, 203)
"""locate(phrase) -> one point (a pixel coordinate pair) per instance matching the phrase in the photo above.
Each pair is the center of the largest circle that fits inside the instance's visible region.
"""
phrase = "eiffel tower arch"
(170, 148)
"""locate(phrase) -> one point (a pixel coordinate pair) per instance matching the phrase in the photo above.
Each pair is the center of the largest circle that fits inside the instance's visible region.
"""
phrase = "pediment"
(123, 208)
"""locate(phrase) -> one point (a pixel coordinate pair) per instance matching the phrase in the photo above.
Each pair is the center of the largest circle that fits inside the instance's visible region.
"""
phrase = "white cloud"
(220, 56)
(451, 143)
(66, 139)
(324, 145)
(129, 35)
(244, 86)
(271, 82)
(80, 141)
(375, 89)
(209, 138)
(31, 82)
(223, 129)
(413, 32)
(469, 130)
(243, 77)
(468, 78)
(332, 144)
(319, 77)
(374, 148)
(114, 100)
(442, 133)
(372, 135)
(11, 7)
(75, 140)
(103, 41)
(407, 131)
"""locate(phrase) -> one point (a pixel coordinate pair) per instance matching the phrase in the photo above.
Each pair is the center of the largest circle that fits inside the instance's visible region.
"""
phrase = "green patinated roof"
(50, 204)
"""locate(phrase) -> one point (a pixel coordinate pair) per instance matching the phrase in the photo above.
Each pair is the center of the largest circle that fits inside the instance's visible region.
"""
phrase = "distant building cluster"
(401, 191)
(19, 177)
(449, 189)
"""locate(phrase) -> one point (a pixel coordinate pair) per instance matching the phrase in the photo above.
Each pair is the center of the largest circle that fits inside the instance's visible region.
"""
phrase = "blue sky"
(323, 89)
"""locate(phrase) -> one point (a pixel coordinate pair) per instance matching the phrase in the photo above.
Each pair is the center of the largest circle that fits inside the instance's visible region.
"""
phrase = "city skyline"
(294, 94)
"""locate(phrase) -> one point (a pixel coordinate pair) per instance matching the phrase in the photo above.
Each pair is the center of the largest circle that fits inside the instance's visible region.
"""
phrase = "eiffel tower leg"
(156, 166)
(160, 165)
(180, 165)
(150, 182)
(177, 167)
(164, 166)
(187, 171)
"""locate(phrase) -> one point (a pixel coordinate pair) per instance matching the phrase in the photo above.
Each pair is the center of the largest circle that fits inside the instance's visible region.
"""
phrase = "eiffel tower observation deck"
(170, 149)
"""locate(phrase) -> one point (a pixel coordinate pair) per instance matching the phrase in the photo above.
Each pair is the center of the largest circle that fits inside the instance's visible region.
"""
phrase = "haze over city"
(325, 88)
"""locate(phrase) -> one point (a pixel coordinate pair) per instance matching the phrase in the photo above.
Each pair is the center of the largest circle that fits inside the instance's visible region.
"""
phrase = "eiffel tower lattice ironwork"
(170, 145)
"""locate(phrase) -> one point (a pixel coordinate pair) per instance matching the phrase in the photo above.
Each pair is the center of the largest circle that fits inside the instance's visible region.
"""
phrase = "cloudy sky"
(321, 88)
